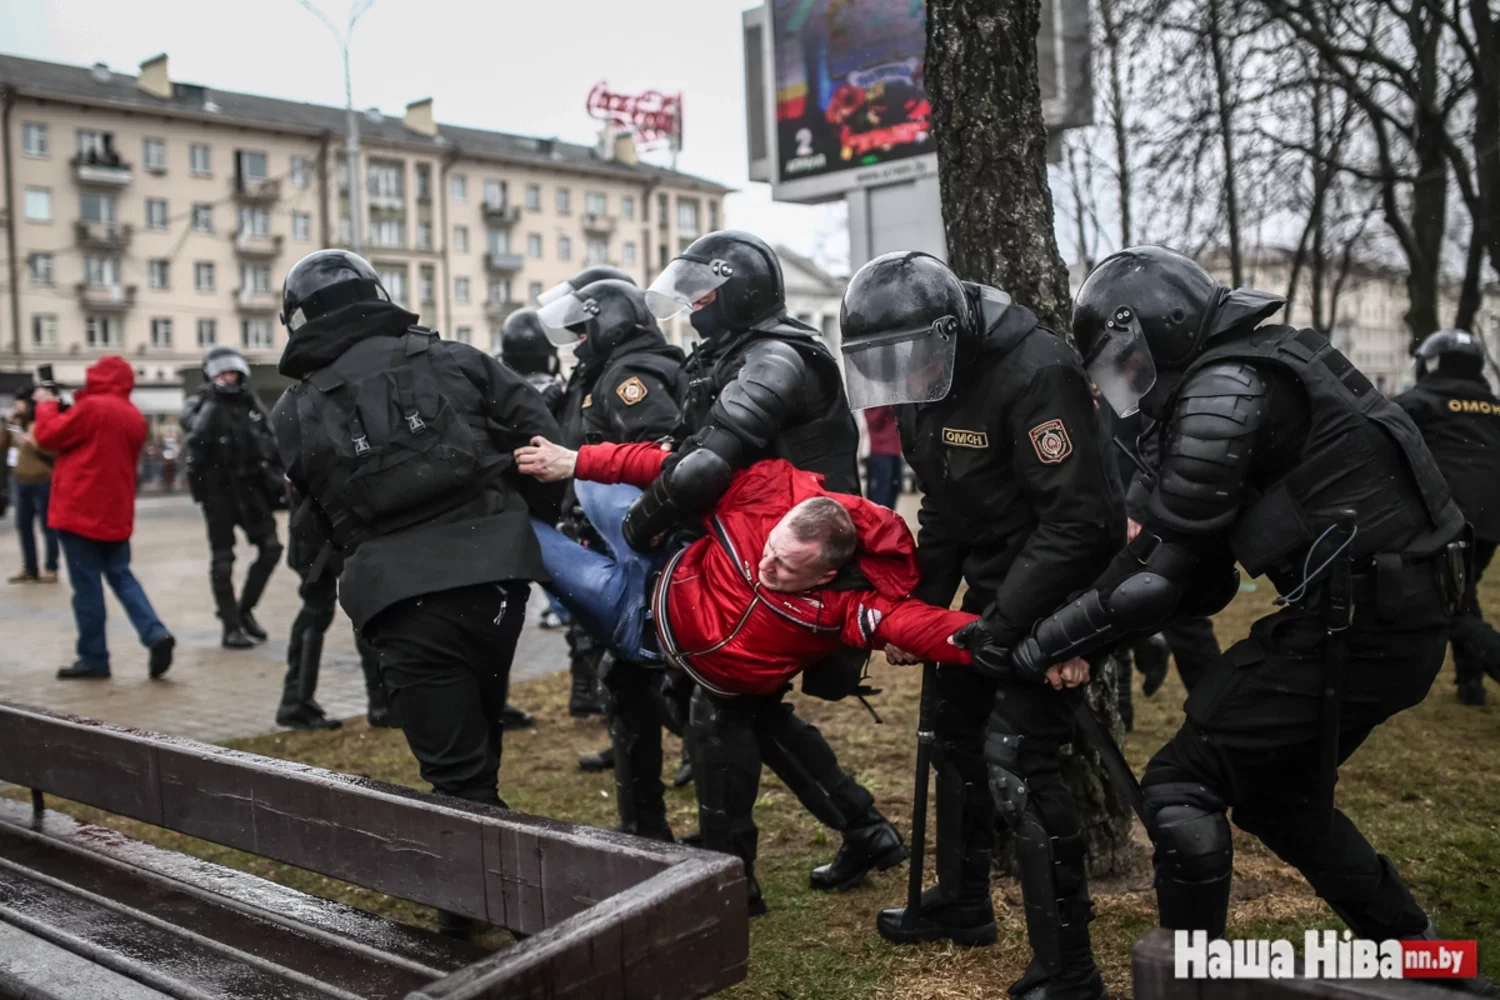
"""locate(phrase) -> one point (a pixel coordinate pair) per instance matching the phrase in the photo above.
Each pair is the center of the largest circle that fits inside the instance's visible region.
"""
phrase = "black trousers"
(445, 659)
(222, 513)
(304, 646)
(1195, 648)
(1251, 745)
(1476, 646)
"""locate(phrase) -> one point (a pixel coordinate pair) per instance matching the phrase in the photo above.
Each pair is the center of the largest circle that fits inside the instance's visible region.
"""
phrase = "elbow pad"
(758, 402)
(689, 487)
(1139, 603)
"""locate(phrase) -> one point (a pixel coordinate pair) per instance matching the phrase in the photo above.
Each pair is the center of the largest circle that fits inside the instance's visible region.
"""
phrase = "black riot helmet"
(605, 312)
(903, 316)
(326, 280)
(524, 346)
(589, 275)
(223, 359)
(1148, 309)
(1455, 353)
(730, 279)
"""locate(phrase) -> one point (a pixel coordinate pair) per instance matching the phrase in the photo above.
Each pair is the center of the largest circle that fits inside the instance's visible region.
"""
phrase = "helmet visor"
(226, 362)
(556, 292)
(683, 284)
(912, 366)
(1122, 367)
(564, 312)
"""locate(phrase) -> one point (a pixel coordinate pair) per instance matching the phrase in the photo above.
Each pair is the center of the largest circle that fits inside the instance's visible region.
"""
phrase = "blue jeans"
(606, 594)
(88, 560)
(31, 505)
(883, 479)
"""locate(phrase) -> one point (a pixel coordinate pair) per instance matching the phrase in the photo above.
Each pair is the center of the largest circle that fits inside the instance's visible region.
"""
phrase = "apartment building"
(154, 219)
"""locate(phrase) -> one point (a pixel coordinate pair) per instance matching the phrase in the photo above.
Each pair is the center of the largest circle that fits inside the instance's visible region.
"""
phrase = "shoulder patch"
(1051, 442)
(957, 437)
(588, 401)
(631, 391)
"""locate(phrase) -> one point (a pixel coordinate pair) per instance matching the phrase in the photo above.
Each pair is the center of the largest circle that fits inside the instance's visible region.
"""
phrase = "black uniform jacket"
(229, 449)
(634, 397)
(1019, 498)
(1460, 421)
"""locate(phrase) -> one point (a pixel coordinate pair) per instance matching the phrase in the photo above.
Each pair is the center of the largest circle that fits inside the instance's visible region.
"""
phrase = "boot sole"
(885, 862)
(969, 937)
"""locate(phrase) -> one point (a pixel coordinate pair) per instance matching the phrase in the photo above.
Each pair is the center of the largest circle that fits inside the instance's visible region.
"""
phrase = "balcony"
(251, 245)
(105, 298)
(100, 171)
(257, 191)
(496, 312)
(501, 214)
(111, 236)
(600, 225)
(504, 263)
(253, 300)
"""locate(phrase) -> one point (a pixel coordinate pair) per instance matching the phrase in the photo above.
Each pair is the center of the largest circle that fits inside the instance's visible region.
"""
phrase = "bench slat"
(36, 969)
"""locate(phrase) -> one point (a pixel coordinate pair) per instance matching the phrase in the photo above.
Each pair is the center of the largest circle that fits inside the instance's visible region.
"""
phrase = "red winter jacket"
(97, 442)
(736, 637)
(885, 436)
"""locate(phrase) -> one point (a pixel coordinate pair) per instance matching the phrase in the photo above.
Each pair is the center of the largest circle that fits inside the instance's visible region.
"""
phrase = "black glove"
(989, 659)
(1027, 662)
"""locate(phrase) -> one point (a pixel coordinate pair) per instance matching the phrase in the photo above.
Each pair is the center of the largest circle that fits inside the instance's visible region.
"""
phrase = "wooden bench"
(87, 912)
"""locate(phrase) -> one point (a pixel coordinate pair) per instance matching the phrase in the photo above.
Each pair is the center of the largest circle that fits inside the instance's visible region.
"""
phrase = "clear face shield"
(563, 314)
(217, 366)
(1121, 365)
(554, 293)
(683, 284)
(909, 366)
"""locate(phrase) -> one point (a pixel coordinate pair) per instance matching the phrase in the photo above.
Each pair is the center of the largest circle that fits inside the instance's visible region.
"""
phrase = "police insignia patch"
(957, 437)
(631, 391)
(1051, 442)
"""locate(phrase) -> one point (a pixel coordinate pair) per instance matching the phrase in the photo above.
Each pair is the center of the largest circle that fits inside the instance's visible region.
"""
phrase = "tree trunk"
(1223, 98)
(997, 209)
(1486, 70)
(1110, 19)
(1429, 215)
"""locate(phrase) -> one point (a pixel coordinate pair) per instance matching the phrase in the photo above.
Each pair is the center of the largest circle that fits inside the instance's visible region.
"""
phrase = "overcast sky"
(521, 66)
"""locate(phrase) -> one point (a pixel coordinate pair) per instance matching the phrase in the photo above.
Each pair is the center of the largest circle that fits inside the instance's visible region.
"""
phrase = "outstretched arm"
(873, 622)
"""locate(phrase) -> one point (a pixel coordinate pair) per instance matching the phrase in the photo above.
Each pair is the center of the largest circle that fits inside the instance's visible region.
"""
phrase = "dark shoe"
(965, 923)
(583, 701)
(456, 925)
(1471, 692)
(756, 901)
(512, 718)
(381, 718)
(1086, 984)
(236, 639)
(251, 627)
(684, 774)
(81, 670)
(300, 717)
(24, 578)
(877, 845)
(601, 760)
(161, 655)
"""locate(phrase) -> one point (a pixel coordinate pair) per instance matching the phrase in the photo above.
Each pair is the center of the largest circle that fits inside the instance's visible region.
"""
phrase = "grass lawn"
(1425, 789)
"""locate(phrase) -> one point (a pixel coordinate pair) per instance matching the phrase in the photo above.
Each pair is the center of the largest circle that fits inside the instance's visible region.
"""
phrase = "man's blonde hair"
(824, 520)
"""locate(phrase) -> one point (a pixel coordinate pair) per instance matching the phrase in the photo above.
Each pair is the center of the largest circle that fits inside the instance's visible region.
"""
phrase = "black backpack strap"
(331, 384)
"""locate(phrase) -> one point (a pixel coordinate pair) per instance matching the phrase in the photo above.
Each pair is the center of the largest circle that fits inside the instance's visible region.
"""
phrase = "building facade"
(155, 219)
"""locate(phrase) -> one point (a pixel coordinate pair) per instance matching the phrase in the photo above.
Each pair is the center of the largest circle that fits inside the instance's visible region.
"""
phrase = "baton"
(926, 740)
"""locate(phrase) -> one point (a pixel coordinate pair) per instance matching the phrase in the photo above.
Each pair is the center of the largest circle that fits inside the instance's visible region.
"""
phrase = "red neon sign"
(651, 114)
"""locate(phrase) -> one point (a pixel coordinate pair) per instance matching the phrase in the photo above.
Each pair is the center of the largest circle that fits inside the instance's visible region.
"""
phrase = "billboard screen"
(850, 90)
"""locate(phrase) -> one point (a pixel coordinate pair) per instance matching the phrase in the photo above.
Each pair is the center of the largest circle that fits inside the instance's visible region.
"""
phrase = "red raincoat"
(97, 442)
(736, 637)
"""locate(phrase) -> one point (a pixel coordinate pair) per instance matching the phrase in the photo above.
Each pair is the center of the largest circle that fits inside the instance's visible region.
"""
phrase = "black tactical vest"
(1361, 453)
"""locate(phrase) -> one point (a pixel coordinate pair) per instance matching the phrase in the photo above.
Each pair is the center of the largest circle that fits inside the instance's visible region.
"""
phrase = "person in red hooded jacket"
(97, 442)
(787, 574)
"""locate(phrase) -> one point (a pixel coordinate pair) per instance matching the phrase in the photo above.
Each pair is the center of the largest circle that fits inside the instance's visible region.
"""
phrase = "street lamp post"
(351, 120)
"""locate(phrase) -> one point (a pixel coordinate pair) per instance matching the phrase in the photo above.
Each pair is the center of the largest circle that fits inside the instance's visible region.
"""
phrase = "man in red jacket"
(97, 442)
(787, 574)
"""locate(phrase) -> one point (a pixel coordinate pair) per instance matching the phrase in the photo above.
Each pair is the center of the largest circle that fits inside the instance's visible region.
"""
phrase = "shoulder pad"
(1224, 378)
(769, 348)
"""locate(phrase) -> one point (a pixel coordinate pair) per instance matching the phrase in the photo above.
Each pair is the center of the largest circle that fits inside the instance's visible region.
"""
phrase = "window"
(661, 253)
(460, 239)
(102, 272)
(346, 229)
(387, 232)
(156, 213)
(596, 203)
(38, 205)
(96, 147)
(386, 182)
(494, 193)
(687, 217)
(534, 291)
(534, 246)
(301, 226)
(461, 291)
(300, 174)
(203, 217)
(154, 155)
(97, 208)
(158, 274)
(533, 197)
(394, 280)
(713, 217)
(161, 332)
(465, 335)
(661, 210)
(203, 275)
(627, 207)
(44, 330)
(255, 221)
(101, 331)
(497, 240)
(342, 172)
(564, 248)
(564, 201)
(200, 164)
(255, 278)
(255, 334)
(40, 266)
(424, 236)
(424, 182)
(252, 165)
(627, 254)
(426, 284)
(499, 291)
(596, 251)
(458, 187)
(34, 143)
(497, 339)
(208, 332)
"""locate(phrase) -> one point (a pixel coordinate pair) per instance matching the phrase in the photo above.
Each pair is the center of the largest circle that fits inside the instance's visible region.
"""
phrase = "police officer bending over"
(1019, 501)
(402, 441)
(234, 474)
(1459, 418)
(1277, 452)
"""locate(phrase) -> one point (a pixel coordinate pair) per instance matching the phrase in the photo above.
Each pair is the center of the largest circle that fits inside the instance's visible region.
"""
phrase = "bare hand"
(1132, 528)
(41, 395)
(545, 461)
(899, 657)
(1069, 673)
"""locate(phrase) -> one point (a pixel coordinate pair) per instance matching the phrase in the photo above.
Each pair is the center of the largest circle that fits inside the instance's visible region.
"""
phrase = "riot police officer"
(625, 388)
(525, 349)
(759, 385)
(234, 474)
(1459, 417)
(1020, 500)
(1279, 454)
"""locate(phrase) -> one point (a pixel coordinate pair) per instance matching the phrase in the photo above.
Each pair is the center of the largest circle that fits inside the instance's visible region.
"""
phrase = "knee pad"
(270, 550)
(703, 714)
(1002, 754)
(220, 564)
(1192, 842)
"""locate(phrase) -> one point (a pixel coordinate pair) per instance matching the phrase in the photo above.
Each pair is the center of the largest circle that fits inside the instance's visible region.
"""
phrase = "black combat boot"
(873, 844)
(1475, 985)
(235, 638)
(1066, 943)
(304, 717)
(583, 699)
(250, 626)
(1471, 692)
(599, 760)
(513, 718)
(965, 917)
(757, 902)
